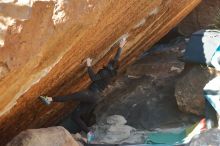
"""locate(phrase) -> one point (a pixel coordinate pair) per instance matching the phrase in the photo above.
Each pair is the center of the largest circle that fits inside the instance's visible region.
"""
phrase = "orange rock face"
(45, 46)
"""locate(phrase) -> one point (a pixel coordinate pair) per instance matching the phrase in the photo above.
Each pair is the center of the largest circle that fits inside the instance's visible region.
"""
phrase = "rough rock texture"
(118, 133)
(46, 43)
(4, 70)
(202, 17)
(189, 88)
(116, 120)
(114, 131)
(53, 136)
(208, 138)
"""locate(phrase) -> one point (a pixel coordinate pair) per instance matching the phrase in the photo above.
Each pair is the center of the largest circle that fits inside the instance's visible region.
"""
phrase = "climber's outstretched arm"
(117, 55)
(90, 71)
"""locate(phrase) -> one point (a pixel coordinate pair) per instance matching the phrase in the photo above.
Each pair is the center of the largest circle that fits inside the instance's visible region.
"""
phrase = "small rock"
(116, 120)
(134, 105)
(117, 133)
(178, 70)
(133, 77)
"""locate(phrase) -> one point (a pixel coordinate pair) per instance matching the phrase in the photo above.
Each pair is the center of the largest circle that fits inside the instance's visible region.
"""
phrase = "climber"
(104, 75)
(88, 98)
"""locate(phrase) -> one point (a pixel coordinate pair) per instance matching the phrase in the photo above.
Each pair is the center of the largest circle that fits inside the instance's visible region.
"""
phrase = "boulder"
(113, 130)
(45, 44)
(189, 88)
(116, 120)
(52, 136)
(204, 16)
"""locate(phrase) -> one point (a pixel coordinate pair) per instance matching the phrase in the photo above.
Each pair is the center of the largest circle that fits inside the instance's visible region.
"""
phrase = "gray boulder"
(189, 88)
(52, 136)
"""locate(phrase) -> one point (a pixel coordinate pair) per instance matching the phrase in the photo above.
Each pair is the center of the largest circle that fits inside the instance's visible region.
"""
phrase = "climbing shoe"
(45, 100)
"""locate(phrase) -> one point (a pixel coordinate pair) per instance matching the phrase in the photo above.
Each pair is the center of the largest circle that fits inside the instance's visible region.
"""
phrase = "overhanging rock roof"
(46, 47)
